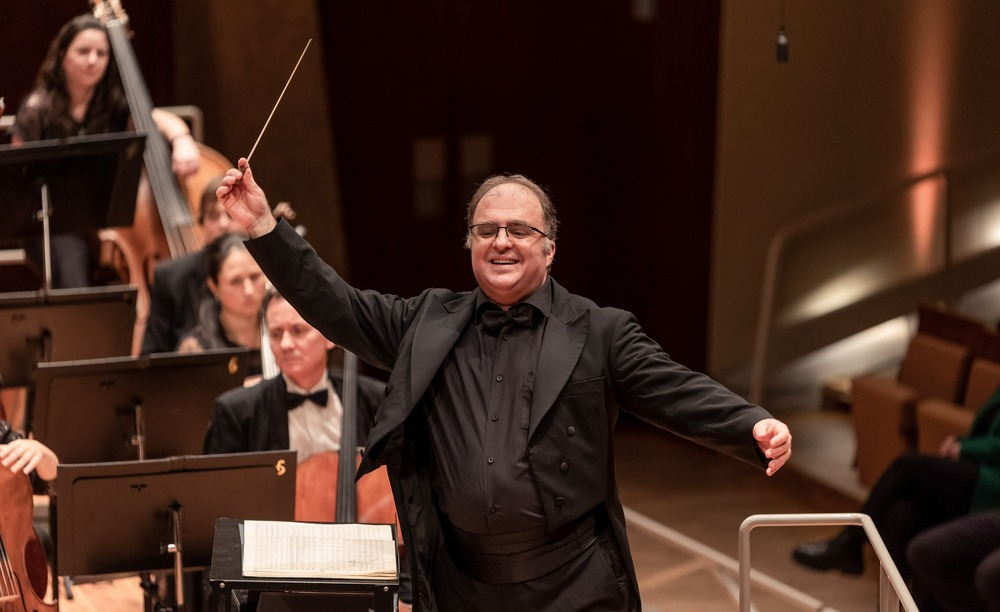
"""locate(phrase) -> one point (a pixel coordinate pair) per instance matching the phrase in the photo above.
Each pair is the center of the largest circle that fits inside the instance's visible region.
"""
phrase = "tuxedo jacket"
(253, 419)
(178, 285)
(593, 362)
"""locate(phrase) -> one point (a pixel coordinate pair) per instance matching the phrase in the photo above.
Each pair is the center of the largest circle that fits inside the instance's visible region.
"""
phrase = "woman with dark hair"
(78, 92)
(229, 310)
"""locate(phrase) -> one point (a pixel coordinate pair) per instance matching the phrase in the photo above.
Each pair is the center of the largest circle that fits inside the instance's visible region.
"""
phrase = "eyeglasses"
(517, 231)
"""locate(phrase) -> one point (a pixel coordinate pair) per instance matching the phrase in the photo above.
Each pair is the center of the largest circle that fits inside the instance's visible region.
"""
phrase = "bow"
(294, 400)
(522, 315)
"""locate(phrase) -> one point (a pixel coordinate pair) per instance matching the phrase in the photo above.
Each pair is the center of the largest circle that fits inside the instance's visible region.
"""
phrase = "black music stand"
(63, 325)
(73, 185)
(127, 408)
(291, 594)
(145, 516)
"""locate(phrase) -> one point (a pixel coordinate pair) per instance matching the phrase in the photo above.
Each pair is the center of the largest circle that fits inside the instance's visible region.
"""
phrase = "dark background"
(612, 113)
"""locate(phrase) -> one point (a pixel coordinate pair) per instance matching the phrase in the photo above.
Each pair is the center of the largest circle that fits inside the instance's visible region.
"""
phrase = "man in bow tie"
(300, 409)
(497, 430)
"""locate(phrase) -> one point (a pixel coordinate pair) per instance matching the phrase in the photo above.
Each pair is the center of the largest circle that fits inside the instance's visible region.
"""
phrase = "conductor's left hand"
(775, 441)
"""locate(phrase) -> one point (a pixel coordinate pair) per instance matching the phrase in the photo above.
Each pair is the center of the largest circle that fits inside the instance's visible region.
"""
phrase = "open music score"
(319, 550)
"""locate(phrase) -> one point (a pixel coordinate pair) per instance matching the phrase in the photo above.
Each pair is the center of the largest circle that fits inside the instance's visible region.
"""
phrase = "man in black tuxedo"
(496, 425)
(301, 408)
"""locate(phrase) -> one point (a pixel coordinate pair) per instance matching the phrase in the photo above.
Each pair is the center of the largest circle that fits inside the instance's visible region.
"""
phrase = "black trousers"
(595, 580)
(956, 565)
(917, 492)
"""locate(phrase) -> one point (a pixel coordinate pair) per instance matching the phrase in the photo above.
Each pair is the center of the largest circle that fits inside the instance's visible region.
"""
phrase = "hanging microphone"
(782, 46)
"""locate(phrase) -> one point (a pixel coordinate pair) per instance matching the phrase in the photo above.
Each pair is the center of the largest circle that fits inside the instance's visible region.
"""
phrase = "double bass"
(163, 226)
(369, 500)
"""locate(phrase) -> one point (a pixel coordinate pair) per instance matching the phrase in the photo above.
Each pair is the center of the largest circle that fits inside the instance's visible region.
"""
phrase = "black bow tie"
(294, 400)
(494, 319)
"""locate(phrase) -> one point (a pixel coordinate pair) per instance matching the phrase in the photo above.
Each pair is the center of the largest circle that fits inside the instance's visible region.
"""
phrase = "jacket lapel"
(563, 341)
(437, 332)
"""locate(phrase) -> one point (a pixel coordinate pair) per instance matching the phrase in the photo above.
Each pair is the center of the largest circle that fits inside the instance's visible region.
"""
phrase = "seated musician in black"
(267, 417)
(285, 411)
(179, 283)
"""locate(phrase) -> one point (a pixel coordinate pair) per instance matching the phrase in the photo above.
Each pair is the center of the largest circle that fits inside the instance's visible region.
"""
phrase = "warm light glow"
(842, 290)
(863, 352)
(931, 54)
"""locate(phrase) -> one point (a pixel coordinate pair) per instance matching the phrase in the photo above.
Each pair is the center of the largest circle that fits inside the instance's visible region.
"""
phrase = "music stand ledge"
(144, 516)
(72, 185)
(290, 594)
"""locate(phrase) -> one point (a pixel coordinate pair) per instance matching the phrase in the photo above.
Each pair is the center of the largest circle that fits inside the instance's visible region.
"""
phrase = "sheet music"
(318, 550)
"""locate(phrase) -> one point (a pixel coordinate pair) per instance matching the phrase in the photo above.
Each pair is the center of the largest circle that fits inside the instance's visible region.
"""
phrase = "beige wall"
(875, 91)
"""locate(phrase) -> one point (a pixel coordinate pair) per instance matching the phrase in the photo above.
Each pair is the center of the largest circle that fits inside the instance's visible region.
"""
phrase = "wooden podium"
(289, 594)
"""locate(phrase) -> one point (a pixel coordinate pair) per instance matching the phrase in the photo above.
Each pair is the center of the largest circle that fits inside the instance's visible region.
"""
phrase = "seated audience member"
(956, 565)
(229, 314)
(920, 491)
(262, 417)
(178, 284)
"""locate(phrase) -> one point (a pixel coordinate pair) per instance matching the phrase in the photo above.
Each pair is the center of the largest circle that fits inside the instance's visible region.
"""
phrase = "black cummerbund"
(525, 555)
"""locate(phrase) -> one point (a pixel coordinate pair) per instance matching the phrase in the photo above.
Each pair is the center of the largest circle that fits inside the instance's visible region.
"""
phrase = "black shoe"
(830, 555)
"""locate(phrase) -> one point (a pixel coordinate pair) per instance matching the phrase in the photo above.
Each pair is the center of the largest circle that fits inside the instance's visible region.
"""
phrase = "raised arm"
(245, 200)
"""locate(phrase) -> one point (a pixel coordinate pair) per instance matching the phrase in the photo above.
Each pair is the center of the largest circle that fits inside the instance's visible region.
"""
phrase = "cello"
(369, 500)
(23, 569)
(163, 226)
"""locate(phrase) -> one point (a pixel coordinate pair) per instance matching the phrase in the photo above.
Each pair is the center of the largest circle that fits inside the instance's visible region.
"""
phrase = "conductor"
(496, 424)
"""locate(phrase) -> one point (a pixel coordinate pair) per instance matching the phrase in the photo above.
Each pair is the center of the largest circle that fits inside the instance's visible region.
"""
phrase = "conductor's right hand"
(245, 200)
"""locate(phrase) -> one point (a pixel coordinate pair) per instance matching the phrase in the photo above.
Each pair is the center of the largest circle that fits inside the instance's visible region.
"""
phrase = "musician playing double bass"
(78, 92)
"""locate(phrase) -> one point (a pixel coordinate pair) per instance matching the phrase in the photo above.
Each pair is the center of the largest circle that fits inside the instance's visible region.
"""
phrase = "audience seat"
(936, 365)
(937, 418)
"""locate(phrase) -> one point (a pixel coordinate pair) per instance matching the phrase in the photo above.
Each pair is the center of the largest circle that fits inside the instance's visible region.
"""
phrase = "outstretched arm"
(245, 200)
(775, 441)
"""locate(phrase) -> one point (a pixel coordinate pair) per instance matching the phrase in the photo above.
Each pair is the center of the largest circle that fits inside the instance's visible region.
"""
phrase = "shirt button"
(564, 467)
(388, 390)
(560, 501)
(494, 417)
(570, 431)
(490, 460)
(506, 337)
(493, 509)
(499, 377)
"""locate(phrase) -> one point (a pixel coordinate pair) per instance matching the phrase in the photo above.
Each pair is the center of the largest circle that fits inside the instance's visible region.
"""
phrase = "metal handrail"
(889, 576)
(722, 563)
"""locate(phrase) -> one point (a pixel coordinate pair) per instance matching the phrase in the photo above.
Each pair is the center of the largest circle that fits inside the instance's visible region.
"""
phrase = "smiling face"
(300, 351)
(86, 59)
(509, 269)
